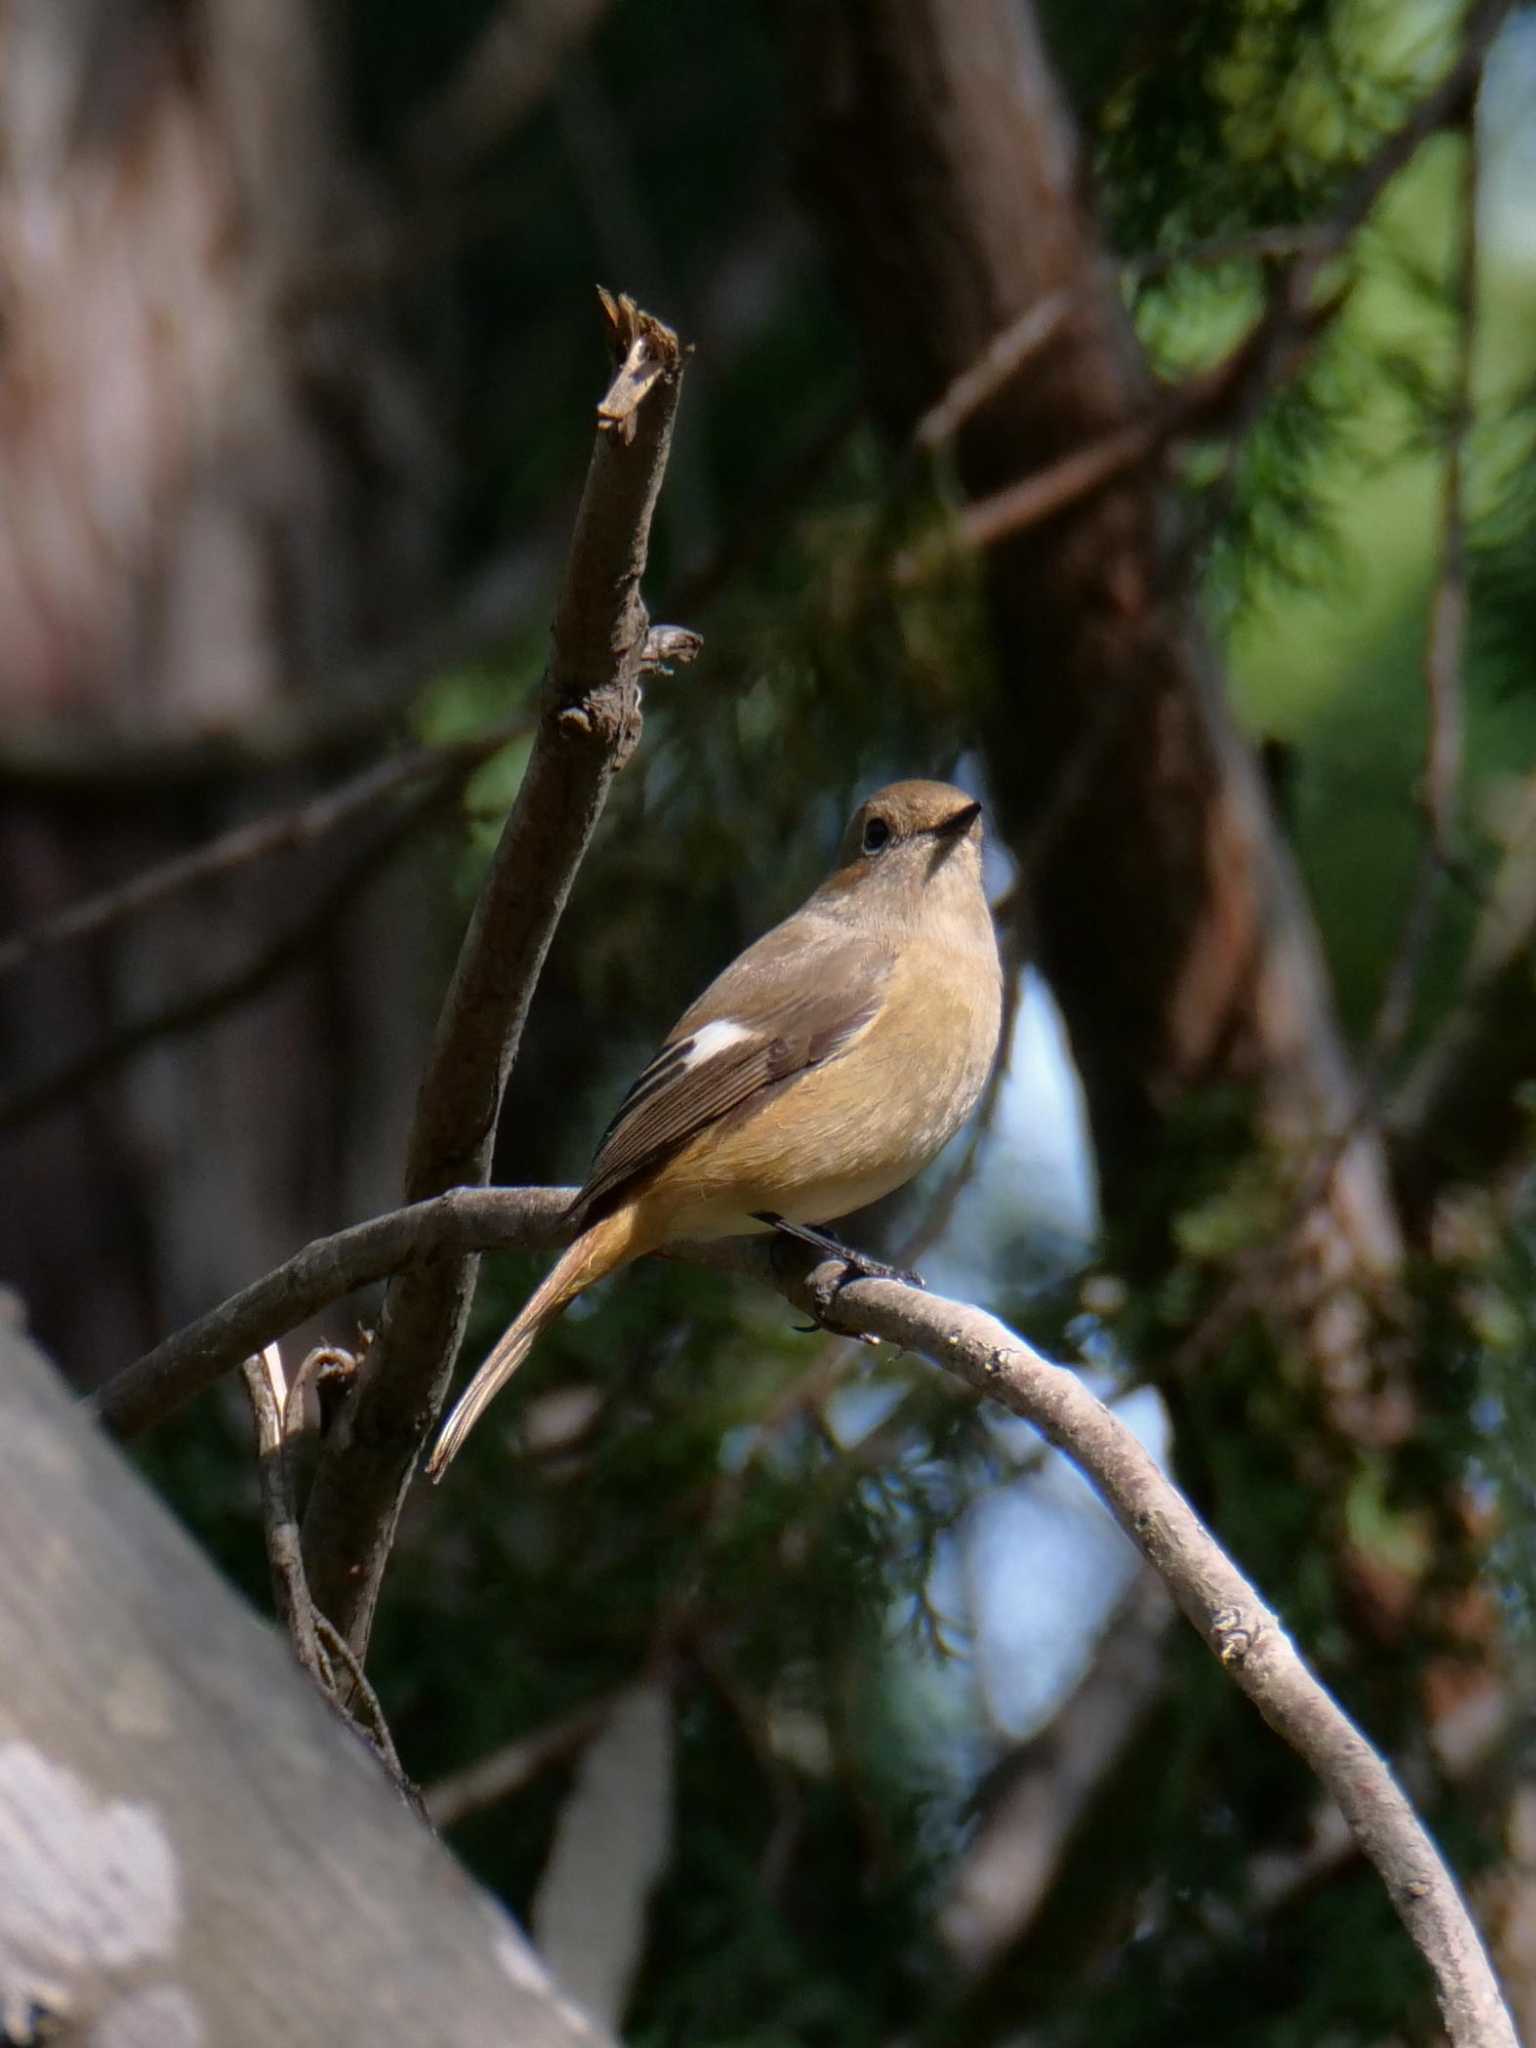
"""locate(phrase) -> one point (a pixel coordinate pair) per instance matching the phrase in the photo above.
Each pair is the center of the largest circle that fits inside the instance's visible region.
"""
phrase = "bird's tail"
(611, 1243)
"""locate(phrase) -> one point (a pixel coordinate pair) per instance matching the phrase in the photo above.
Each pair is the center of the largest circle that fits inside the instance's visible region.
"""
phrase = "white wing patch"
(710, 1040)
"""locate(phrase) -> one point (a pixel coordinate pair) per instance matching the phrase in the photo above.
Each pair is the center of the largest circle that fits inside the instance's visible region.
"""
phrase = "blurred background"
(1128, 411)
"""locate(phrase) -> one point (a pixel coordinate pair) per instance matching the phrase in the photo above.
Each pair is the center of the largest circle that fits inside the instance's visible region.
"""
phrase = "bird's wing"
(781, 1008)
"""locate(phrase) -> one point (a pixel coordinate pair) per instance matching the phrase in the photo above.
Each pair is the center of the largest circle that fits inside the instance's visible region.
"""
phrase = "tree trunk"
(1165, 907)
(216, 508)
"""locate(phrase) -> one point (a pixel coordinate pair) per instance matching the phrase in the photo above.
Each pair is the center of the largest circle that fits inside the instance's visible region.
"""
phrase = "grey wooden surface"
(192, 1849)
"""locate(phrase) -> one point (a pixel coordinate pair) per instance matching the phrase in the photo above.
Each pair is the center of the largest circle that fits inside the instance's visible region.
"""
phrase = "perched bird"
(822, 1069)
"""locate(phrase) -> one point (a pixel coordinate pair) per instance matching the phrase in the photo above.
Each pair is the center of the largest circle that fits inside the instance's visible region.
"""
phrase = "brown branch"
(452, 1225)
(1219, 1602)
(1447, 105)
(1004, 356)
(284, 832)
(276, 958)
(268, 1393)
(1270, 354)
(514, 1765)
(331, 713)
(588, 726)
(318, 1648)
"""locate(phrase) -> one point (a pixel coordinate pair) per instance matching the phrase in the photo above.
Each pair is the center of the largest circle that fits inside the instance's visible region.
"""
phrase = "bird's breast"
(842, 1134)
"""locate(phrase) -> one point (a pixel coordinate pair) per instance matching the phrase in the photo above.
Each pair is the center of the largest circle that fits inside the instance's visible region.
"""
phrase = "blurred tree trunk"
(214, 508)
(1163, 902)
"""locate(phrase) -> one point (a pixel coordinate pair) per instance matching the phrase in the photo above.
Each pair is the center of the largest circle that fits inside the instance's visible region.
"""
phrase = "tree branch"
(274, 959)
(1244, 1635)
(589, 724)
(451, 1226)
(282, 832)
(514, 1764)
(1215, 1597)
(267, 1389)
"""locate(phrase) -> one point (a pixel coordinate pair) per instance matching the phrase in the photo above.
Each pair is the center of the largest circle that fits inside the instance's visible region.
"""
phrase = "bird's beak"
(959, 824)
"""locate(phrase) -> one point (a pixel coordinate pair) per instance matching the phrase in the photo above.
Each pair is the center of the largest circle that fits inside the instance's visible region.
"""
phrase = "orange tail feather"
(598, 1251)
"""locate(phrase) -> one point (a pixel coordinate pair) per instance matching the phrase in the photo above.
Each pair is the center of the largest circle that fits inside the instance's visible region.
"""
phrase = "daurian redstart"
(822, 1069)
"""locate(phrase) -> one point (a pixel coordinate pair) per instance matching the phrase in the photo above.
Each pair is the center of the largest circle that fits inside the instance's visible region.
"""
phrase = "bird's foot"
(856, 1265)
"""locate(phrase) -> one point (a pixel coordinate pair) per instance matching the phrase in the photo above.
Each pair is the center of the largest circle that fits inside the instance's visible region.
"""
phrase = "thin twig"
(589, 725)
(516, 1764)
(331, 714)
(1003, 357)
(283, 832)
(456, 1224)
(319, 1649)
(264, 1383)
(1232, 391)
(276, 958)
(358, 1704)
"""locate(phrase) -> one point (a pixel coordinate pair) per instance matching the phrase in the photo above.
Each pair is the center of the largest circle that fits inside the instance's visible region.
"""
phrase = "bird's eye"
(876, 833)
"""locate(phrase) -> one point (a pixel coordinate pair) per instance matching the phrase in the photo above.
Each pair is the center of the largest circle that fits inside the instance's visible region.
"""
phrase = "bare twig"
(456, 1224)
(276, 958)
(1003, 358)
(268, 1391)
(332, 716)
(589, 724)
(514, 1765)
(358, 1704)
(186, 1013)
(1227, 395)
(316, 1644)
(284, 832)
(1245, 1636)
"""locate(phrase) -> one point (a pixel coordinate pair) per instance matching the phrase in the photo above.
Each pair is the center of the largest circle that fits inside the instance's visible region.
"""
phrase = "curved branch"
(1245, 1636)
(457, 1224)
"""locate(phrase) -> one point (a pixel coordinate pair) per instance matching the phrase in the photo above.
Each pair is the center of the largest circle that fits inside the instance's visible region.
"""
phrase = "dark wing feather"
(673, 1100)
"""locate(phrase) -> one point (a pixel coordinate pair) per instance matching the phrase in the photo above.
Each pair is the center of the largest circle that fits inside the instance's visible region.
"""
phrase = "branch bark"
(282, 832)
(589, 725)
(456, 1225)
(192, 1847)
(1244, 1635)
